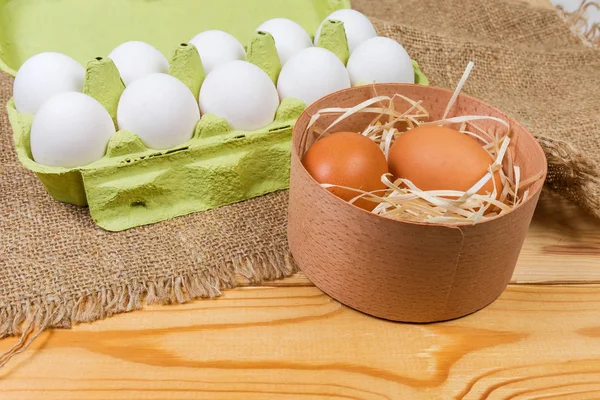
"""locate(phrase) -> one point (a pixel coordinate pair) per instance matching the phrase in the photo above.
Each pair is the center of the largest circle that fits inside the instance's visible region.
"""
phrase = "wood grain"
(296, 343)
(562, 245)
(287, 340)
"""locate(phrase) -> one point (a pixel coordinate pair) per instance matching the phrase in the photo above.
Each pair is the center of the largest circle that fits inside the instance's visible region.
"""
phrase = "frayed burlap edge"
(572, 169)
(589, 33)
(29, 320)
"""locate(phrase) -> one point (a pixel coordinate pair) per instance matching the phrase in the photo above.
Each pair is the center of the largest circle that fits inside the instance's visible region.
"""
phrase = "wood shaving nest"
(405, 201)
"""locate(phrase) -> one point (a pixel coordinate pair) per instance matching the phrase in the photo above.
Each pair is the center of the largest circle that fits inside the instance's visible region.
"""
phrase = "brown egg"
(441, 158)
(347, 159)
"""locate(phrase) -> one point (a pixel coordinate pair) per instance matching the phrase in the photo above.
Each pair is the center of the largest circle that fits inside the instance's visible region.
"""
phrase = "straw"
(402, 199)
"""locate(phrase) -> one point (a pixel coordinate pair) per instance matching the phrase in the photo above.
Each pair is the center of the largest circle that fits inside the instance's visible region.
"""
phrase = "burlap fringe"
(31, 319)
(589, 33)
(570, 168)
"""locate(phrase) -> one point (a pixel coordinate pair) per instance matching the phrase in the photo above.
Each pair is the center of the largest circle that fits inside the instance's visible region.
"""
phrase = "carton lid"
(87, 29)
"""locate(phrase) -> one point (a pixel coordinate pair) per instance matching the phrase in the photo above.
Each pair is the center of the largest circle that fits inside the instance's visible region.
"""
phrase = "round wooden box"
(398, 270)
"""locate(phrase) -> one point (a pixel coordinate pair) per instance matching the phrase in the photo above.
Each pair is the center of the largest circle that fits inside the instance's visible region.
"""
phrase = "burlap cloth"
(57, 268)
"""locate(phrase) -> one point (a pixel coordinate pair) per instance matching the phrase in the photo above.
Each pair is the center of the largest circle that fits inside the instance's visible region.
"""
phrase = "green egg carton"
(133, 185)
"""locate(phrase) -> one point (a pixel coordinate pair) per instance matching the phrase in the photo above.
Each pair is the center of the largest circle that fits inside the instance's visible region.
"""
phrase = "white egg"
(380, 59)
(242, 93)
(136, 59)
(311, 74)
(43, 76)
(217, 48)
(160, 109)
(70, 130)
(357, 26)
(290, 37)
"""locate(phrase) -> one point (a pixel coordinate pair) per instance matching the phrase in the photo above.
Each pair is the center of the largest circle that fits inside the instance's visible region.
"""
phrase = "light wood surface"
(287, 340)
(296, 343)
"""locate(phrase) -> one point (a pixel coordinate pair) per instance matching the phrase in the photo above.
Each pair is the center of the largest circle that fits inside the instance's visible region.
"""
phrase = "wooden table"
(287, 340)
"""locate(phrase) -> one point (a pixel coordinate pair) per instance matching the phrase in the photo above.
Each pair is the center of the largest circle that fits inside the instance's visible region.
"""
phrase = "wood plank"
(296, 280)
(562, 245)
(296, 343)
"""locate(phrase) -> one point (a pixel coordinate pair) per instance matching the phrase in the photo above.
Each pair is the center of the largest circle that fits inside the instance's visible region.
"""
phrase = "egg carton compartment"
(133, 185)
